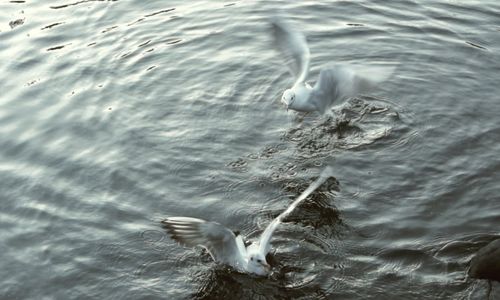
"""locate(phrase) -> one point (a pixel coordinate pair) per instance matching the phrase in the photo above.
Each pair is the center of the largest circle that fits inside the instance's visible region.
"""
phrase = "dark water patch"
(355, 24)
(144, 44)
(136, 21)
(58, 47)
(239, 165)
(314, 139)
(486, 262)
(359, 123)
(79, 2)
(268, 152)
(52, 25)
(172, 41)
(109, 29)
(160, 12)
(475, 45)
(287, 170)
(125, 55)
(15, 23)
(32, 82)
(316, 211)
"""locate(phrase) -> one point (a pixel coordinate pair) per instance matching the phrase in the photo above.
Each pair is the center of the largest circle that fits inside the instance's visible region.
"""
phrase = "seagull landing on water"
(335, 83)
(228, 248)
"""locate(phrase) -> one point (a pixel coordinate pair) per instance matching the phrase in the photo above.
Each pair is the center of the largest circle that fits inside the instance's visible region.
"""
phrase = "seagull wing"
(222, 244)
(292, 45)
(342, 82)
(265, 239)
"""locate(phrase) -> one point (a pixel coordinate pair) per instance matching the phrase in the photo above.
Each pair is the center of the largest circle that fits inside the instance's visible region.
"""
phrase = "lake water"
(117, 114)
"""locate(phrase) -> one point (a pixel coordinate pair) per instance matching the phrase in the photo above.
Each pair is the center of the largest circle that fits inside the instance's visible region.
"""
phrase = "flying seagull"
(226, 247)
(335, 83)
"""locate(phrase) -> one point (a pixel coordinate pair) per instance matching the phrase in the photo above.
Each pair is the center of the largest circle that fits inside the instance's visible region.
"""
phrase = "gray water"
(117, 114)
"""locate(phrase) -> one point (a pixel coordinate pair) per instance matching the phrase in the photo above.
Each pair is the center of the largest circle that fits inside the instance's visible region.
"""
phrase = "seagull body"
(335, 83)
(226, 247)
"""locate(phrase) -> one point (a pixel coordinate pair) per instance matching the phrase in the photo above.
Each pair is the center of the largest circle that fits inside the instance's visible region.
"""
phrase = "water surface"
(117, 114)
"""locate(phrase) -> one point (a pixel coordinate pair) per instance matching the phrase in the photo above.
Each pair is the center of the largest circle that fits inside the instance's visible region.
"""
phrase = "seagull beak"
(285, 105)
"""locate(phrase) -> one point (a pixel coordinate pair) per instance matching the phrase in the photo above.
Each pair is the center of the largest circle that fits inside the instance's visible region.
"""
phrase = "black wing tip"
(169, 227)
(172, 227)
(170, 224)
(182, 221)
(167, 224)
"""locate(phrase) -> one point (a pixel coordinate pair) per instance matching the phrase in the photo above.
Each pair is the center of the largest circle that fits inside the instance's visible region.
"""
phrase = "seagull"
(335, 83)
(227, 247)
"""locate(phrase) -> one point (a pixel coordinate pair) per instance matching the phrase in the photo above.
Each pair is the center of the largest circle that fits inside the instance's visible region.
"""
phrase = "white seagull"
(225, 246)
(335, 83)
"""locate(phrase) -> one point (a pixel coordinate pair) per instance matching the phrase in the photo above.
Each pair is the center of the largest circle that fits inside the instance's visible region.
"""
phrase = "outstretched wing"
(222, 244)
(265, 239)
(340, 82)
(292, 45)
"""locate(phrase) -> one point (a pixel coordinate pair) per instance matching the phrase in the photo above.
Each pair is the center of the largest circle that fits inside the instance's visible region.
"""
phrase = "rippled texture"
(117, 114)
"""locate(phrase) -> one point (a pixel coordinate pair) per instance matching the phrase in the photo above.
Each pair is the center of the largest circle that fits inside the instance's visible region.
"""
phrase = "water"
(117, 114)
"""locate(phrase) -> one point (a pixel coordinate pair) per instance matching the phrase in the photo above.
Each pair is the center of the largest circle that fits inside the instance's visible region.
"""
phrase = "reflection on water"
(117, 114)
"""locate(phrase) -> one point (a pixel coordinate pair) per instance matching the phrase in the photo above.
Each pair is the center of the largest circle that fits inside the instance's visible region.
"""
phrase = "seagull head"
(257, 264)
(288, 98)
